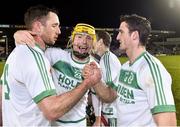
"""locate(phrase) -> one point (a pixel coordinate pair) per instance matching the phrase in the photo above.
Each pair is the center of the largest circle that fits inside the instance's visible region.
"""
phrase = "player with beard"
(67, 67)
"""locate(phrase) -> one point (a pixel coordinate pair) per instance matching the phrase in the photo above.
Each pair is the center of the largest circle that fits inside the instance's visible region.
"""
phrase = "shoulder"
(56, 54)
(27, 60)
(153, 70)
(54, 50)
(153, 63)
(24, 53)
(110, 58)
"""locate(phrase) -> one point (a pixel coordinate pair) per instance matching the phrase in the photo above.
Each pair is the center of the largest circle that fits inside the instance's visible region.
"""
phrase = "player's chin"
(121, 47)
(51, 43)
(54, 41)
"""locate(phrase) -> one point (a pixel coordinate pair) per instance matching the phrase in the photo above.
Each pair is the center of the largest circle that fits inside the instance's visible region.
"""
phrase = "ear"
(37, 26)
(135, 35)
(101, 41)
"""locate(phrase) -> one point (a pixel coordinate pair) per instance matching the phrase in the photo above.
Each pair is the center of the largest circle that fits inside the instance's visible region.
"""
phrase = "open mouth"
(83, 49)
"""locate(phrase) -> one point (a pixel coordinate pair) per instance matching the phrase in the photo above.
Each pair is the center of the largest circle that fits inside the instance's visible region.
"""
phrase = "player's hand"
(87, 71)
(25, 37)
(96, 76)
(92, 74)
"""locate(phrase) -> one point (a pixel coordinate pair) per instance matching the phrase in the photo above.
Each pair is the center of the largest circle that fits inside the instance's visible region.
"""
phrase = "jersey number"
(129, 77)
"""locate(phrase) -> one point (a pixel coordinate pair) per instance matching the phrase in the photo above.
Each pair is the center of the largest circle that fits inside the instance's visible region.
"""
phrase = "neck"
(135, 53)
(102, 52)
(40, 42)
(79, 59)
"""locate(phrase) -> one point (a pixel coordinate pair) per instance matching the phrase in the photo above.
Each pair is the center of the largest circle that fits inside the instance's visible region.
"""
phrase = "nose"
(118, 36)
(58, 30)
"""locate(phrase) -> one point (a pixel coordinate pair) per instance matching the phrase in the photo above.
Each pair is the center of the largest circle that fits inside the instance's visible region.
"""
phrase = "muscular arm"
(107, 94)
(165, 119)
(24, 37)
(54, 107)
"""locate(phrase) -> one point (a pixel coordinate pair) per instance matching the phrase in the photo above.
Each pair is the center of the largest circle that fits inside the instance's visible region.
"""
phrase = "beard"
(80, 55)
(49, 44)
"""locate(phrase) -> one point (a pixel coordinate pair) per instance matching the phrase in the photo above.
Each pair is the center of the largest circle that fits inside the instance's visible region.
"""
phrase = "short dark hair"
(37, 12)
(140, 24)
(105, 36)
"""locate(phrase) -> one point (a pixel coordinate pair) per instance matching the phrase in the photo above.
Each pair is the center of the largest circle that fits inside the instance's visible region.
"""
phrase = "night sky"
(163, 14)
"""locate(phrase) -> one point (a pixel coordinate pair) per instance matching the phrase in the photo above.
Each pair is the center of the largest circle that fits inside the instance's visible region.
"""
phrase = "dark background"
(164, 14)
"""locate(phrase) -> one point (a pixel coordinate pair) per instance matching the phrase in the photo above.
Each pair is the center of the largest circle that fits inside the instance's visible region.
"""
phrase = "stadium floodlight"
(4, 36)
(4, 26)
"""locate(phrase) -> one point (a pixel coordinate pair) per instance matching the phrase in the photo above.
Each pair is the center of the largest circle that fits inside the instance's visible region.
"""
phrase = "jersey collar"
(142, 54)
(38, 48)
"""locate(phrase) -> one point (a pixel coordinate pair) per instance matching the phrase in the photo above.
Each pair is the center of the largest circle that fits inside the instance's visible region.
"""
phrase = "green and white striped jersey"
(110, 66)
(67, 76)
(144, 89)
(26, 81)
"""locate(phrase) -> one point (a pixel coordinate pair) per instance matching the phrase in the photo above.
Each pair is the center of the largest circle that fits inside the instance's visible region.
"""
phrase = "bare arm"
(165, 119)
(97, 123)
(54, 107)
(97, 105)
(24, 37)
(107, 94)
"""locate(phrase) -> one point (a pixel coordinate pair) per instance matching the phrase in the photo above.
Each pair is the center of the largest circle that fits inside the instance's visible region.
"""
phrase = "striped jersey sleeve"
(110, 65)
(38, 77)
(157, 83)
